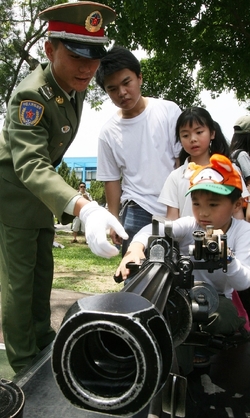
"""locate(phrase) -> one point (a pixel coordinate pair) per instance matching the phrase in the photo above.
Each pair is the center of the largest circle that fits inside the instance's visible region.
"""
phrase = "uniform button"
(61, 143)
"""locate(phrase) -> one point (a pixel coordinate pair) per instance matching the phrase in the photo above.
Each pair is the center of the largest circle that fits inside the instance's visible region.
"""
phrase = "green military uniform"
(40, 125)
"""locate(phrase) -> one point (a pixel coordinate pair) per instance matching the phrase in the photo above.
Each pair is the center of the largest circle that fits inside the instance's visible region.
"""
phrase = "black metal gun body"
(114, 352)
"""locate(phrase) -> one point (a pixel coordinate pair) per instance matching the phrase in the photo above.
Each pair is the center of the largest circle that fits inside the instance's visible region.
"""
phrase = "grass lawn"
(77, 268)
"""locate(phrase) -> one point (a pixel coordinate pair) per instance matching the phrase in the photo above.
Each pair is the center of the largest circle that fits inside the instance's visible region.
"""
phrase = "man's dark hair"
(54, 41)
(233, 196)
(118, 58)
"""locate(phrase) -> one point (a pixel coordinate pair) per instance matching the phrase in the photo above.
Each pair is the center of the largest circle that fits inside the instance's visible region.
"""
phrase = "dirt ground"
(61, 301)
(100, 283)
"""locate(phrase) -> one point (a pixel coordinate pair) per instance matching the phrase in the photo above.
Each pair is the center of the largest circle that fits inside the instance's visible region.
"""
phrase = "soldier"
(40, 125)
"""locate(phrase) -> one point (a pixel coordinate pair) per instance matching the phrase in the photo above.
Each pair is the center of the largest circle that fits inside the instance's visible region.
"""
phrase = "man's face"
(124, 88)
(71, 71)
(82, 188)
(213, 209)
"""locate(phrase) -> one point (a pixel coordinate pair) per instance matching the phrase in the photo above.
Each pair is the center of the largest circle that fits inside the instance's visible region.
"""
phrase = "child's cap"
(242, 125)
(217, 177)
(80, 26)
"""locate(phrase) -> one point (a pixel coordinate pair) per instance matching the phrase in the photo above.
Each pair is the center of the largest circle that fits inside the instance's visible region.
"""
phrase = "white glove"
(97, 220)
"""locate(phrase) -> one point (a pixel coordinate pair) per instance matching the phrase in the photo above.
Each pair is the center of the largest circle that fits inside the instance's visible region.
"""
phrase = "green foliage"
(68, 175)
(155, 72)
(21, 38)
(212, 36)
(64, 171)
(97, 192)
(222, 45)
(191, 46)
(74, 181)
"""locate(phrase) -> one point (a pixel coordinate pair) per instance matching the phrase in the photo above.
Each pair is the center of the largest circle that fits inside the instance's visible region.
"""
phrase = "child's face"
(195, 139)
(213, 209)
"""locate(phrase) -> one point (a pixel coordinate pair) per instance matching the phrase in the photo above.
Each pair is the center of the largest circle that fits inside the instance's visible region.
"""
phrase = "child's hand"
(134, 254)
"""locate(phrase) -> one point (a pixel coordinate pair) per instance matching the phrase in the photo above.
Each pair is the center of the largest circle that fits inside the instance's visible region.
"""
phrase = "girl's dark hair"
(117, 59)
(201, 116)
(240, 141)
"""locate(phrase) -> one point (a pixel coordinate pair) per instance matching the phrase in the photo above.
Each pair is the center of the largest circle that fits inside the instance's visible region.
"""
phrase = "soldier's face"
(71, 71)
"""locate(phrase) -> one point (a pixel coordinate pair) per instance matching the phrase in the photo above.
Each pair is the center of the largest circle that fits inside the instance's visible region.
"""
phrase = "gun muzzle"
(112, 354)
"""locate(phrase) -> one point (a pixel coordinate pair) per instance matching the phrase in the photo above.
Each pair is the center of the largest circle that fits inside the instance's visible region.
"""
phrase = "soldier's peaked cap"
(80, 26)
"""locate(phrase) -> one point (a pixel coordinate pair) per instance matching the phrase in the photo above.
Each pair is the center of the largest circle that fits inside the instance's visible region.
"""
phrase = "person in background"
(216, 196)
(77, 225)
(136, 145)
(40, 125)
(240, 153)
(200, 137)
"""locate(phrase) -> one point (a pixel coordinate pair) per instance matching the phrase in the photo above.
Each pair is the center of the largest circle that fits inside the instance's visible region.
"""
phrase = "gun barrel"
(113, 353)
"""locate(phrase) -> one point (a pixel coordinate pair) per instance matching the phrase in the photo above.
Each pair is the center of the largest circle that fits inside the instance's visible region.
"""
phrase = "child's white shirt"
(176, 186)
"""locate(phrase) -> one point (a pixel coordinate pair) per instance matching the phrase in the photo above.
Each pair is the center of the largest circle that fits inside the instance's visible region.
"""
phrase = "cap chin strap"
(78, 38)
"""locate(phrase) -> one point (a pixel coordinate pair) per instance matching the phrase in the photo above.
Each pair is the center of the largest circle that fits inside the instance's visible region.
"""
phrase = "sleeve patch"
(30, 112)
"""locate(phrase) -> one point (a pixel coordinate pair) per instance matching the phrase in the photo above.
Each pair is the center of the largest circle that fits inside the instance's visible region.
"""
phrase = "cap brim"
(211, 187)
(237, 131)
(85, 50)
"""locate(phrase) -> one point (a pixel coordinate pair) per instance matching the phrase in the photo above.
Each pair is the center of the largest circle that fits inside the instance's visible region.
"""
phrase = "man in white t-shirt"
(137, 148)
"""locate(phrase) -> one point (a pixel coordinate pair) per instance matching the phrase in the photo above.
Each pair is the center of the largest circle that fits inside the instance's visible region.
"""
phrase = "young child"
(200, 137)
(216, 196)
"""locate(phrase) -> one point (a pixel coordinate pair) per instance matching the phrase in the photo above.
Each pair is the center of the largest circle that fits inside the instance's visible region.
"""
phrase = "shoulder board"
(46, 91)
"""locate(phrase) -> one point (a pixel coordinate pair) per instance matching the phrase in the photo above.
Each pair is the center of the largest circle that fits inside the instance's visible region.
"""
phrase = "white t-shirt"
(141, 150)
(176, 186)
(244, 162)
(238, 240)
(174, 190)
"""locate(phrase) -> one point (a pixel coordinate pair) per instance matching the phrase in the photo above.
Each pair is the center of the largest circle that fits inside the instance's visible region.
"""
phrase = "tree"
(21, 37)
(73, 180)
(68, 175)
(184, 92)
(212, 36)
(192, 45)
(97, 192)
(64, 171)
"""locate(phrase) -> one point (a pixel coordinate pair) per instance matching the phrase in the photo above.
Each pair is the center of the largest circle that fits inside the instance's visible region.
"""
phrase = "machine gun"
(115, 353)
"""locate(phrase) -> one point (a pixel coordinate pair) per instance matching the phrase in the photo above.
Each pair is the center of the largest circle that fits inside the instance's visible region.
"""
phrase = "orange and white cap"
(218, 177)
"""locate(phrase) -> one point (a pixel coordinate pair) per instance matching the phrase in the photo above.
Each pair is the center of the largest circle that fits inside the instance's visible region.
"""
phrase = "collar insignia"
(59, 100)
(46, 91)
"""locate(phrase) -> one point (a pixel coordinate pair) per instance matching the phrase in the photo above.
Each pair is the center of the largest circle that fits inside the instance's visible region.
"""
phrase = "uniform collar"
(72, 93)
